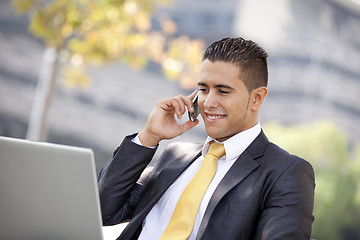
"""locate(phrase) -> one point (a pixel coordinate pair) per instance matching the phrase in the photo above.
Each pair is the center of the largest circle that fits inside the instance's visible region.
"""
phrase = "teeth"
(212, 117)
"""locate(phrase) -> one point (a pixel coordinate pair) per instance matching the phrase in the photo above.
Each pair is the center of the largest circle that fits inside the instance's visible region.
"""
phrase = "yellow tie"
(183, 218)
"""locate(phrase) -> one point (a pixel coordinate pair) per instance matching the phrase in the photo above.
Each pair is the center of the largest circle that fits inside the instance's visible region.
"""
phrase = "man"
(258, 191)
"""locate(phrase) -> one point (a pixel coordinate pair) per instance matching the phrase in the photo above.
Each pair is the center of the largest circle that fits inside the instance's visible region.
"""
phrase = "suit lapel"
(243, 166)
(173, 170)
(173, 164)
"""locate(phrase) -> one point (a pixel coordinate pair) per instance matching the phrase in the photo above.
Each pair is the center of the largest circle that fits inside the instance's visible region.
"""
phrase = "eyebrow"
(216, 86)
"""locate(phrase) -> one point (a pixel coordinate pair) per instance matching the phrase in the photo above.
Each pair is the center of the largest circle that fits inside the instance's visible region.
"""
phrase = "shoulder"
(277, 164)
(272, 156)
(278, 155)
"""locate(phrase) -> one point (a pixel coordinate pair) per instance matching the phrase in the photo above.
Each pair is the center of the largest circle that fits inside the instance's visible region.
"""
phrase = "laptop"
(48, 191)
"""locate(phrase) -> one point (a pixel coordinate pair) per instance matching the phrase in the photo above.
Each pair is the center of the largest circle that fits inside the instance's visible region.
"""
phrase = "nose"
(210, 101)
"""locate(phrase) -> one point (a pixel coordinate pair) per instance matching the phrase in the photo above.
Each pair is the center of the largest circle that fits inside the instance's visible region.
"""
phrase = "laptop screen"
(47, 191)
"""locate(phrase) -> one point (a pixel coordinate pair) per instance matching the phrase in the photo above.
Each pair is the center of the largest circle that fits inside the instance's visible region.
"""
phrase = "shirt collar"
(235, 145)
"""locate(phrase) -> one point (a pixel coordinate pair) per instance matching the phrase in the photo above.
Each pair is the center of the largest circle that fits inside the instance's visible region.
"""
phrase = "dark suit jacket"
(266, 194)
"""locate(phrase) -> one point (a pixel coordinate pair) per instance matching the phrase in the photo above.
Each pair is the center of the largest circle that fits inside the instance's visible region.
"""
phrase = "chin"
(214, 134)
(218, 135)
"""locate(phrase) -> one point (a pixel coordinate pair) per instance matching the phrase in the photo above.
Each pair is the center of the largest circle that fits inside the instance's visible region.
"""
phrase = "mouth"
(214, 117)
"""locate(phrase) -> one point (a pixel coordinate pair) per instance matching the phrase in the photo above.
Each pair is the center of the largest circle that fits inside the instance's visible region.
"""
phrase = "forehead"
(219, 72)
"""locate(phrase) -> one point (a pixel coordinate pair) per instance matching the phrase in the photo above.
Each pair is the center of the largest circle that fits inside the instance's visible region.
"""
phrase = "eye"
(223, 92)
(202, 90)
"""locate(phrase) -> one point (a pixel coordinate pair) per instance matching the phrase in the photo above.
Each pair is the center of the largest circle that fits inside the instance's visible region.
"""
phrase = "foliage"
(337, 174)
(98, 31)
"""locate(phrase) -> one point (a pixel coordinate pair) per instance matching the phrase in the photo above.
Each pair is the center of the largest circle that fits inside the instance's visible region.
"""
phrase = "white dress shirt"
(159, 216)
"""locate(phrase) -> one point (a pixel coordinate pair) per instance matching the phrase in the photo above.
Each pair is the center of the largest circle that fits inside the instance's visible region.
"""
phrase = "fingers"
(181, 102)
(192, 95)
(162, 124)
(188, 125)
(179, 106)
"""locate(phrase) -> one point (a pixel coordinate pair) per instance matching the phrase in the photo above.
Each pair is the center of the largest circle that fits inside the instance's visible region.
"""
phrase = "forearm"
(118, 190)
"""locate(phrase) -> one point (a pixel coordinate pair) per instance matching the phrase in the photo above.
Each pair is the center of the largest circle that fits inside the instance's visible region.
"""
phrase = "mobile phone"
(193, 116)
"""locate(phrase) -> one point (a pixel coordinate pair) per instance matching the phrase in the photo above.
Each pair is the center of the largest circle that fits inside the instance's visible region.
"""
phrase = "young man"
(258, 191)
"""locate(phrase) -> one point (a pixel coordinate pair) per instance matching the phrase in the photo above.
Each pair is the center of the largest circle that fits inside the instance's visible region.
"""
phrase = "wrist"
(147, 139)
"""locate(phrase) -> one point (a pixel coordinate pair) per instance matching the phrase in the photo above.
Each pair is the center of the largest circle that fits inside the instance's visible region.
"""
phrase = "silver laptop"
(48, 192)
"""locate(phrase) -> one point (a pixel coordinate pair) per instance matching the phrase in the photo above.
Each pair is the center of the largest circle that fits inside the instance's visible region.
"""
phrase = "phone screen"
(193, 116)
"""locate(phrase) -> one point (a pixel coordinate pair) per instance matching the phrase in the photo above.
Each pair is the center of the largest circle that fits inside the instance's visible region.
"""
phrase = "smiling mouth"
(214, 116)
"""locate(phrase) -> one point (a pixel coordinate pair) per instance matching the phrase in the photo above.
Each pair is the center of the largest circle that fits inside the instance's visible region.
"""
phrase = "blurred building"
(314, 68)
(314, 58)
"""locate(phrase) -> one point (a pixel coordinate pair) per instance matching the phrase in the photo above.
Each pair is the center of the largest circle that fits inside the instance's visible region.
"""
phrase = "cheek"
(236, 111)
(201, 104)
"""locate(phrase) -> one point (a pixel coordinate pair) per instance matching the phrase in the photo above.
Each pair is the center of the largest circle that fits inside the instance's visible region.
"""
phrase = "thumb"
(188, 125)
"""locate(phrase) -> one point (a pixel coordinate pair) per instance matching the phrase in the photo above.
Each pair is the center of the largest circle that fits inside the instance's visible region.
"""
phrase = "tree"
(93, 32)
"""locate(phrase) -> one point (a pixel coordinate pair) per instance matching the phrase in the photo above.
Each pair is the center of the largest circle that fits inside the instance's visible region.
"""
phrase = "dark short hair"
(250, 57)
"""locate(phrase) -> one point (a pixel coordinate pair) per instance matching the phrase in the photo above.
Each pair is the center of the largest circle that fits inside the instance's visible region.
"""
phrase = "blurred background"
(87, 73)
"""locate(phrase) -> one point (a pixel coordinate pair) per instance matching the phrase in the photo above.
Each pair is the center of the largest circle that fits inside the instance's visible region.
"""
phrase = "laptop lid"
(48, 191)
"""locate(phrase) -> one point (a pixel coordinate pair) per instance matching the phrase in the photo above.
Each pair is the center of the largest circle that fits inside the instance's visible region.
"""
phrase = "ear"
(258, 96)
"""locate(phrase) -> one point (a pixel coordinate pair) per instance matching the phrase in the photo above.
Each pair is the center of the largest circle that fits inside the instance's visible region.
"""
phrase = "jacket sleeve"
(118, 188)
(287, 211)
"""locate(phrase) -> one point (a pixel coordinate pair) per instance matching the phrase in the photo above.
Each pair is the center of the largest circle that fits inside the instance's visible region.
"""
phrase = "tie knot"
(216, 149)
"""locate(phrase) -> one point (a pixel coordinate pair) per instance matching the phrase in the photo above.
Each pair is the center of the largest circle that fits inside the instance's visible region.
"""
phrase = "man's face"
(223, 100)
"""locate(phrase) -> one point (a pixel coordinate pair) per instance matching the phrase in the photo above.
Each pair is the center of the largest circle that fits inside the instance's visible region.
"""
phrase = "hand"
(162, 124)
